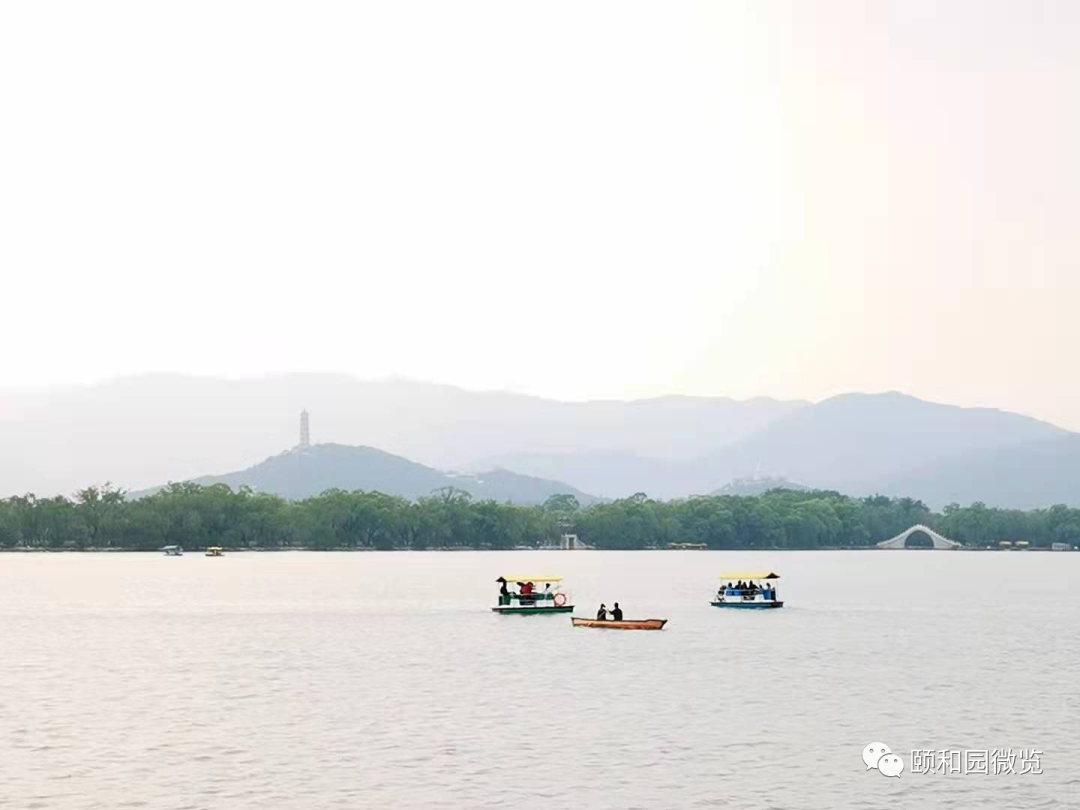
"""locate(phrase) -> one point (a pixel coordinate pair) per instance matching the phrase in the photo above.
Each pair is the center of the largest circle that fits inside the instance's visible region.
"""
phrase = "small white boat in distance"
(747, 590)
(173, 551)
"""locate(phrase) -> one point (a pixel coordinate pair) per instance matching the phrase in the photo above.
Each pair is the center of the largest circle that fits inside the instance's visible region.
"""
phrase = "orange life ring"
(560, 599)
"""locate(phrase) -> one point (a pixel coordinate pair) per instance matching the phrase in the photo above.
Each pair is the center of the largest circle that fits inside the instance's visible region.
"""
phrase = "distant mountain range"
(1023, 476)
(860, 444)
(857, 443)
(141, 431)
(306, 471)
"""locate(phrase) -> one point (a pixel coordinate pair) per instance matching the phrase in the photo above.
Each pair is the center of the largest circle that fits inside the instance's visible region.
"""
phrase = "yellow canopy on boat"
(509, 578)
(750, 575)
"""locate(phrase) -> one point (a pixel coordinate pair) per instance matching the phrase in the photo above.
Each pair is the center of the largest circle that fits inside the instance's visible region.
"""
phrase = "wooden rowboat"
(627, 624)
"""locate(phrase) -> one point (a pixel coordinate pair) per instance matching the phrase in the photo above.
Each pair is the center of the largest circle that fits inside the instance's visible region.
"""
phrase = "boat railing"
(747, 595)
(527, 598)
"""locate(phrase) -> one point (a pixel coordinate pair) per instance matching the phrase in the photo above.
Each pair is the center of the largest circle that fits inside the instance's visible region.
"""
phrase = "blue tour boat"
(747, 590)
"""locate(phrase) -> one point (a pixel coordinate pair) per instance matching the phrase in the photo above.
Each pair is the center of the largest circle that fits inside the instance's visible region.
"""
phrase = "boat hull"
(748, 605)
(628, 624)
(532, 610)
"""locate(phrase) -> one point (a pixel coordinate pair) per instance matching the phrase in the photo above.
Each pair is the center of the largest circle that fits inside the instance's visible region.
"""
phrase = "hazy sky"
(574, 199)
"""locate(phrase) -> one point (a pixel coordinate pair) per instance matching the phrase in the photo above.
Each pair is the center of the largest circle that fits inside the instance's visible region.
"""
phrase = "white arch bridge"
(900, 541)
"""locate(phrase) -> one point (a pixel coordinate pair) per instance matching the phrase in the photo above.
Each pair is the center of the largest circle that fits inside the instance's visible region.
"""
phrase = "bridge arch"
(900, 541)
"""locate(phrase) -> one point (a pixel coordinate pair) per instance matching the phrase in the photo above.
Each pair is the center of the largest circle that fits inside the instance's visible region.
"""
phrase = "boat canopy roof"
(516, 578)
(214, 548)
(750, 575)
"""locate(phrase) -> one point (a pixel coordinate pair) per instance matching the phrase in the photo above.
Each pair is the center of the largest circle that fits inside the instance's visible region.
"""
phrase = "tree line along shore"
(196, 516)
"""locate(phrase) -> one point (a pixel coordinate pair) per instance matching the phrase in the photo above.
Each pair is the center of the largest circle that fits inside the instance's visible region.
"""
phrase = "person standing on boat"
(601, 614)
(616, 613)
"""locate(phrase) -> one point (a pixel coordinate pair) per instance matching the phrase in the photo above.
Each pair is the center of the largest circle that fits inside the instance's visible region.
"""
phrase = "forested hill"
(195, 516)
(304, 472)
(758, 486)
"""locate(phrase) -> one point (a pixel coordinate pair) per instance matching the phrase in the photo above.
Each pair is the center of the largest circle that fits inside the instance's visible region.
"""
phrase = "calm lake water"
(310, 680)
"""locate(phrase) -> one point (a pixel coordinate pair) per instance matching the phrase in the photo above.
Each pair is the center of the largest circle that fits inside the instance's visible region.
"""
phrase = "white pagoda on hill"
(305, 431)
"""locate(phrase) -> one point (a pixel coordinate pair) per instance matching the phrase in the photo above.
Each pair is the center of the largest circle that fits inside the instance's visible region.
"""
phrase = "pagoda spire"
(305, 431)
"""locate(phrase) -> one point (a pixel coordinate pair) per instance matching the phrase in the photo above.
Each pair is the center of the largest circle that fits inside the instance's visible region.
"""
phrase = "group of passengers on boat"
(746, 591)
(526, 594)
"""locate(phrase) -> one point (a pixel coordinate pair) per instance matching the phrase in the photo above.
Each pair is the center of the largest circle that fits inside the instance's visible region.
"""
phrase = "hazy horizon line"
(65, 387)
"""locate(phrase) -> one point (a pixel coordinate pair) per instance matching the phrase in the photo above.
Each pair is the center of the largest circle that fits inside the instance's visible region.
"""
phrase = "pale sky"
(574, 199)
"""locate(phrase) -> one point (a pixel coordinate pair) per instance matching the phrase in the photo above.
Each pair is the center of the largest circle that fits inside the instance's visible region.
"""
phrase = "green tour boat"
(532, 596)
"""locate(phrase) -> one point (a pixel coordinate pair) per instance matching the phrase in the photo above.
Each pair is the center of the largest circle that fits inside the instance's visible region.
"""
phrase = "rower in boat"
(527, 600)
(616, 621)
(743, 591)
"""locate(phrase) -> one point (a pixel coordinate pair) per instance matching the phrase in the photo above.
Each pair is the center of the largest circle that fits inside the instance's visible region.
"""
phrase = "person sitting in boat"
(601, 614)
(527, 588)
(616, 613)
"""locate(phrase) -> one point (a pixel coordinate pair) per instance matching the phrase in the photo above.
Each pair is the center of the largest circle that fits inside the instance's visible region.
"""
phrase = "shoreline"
(195, 551)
